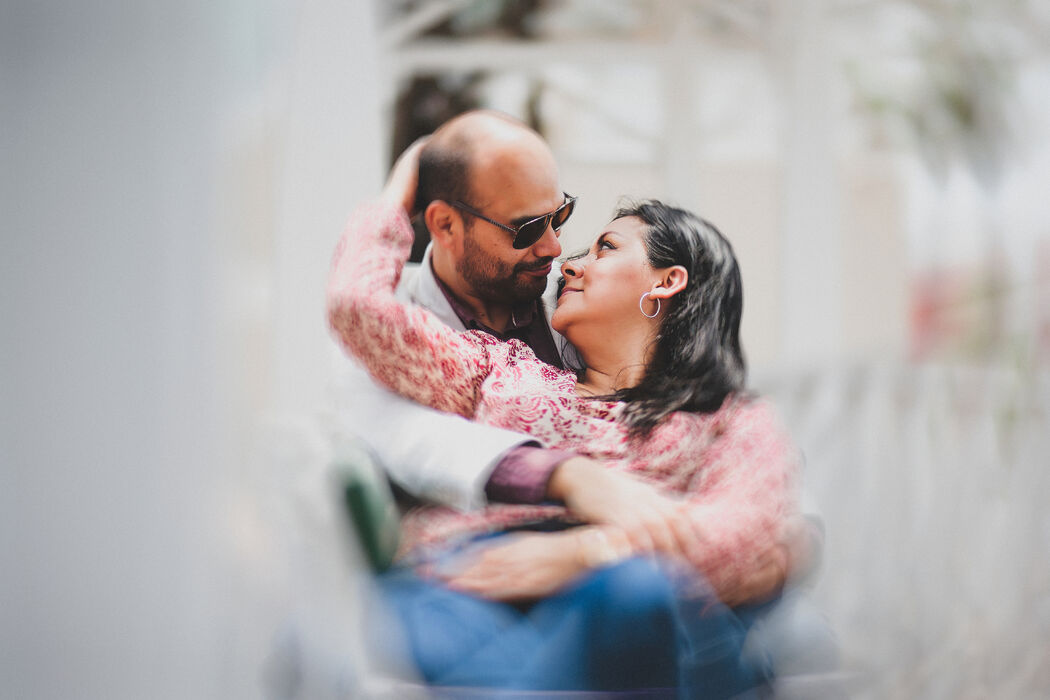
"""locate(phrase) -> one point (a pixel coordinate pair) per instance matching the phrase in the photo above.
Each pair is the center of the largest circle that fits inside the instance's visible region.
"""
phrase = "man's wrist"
(523, 474)
(565, 476)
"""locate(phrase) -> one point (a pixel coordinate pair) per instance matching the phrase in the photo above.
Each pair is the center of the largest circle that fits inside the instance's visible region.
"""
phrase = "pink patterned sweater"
(737, 466)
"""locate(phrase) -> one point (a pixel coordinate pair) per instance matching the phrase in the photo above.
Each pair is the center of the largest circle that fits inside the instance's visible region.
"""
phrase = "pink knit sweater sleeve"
(743, 492)
(405, 347)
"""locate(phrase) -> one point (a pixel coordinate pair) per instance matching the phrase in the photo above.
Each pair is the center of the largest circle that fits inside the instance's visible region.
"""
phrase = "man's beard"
(497, 281)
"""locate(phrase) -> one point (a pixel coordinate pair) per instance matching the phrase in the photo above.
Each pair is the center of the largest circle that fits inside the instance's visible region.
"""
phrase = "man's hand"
(520, 567)
(400, 189)
(794, 554)
(765, 580)
(600, 495)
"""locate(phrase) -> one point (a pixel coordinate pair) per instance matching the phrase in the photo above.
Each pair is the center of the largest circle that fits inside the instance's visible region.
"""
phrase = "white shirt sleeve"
(436, 456)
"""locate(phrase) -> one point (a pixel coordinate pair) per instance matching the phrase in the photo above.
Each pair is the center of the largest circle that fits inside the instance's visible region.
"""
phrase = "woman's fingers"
(653, 532)
(639, 536)
(403, 180)
(689, 539)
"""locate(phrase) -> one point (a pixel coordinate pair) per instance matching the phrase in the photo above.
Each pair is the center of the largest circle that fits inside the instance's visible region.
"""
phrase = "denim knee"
(632, 609)
(635, 591)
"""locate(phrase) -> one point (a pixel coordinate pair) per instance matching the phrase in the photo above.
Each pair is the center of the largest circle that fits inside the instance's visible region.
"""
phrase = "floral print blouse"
(737, 466)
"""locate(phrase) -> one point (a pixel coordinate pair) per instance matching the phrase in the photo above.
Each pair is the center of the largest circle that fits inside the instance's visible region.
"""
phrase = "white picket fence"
(934, 486)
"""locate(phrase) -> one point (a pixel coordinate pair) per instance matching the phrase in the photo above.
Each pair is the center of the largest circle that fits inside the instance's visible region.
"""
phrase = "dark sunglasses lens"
(533, 230)
(530, 233)
(563, 214)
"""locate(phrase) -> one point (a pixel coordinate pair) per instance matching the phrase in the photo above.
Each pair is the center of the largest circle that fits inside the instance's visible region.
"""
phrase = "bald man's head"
(481, 175)
(463, 145)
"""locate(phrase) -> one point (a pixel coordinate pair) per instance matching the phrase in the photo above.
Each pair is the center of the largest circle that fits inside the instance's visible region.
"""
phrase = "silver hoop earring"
(655, 313)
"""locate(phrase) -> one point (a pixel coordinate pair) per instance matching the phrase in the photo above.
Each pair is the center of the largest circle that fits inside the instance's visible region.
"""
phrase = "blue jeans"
(626, 626)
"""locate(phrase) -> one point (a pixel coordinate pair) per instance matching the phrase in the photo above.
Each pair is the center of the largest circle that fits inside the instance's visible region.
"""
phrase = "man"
(489, 196)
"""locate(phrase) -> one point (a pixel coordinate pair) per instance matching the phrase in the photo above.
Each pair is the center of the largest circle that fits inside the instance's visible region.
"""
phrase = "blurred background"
(175, 176)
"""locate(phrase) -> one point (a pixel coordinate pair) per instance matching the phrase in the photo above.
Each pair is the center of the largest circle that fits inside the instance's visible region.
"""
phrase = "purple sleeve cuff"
(522, 474)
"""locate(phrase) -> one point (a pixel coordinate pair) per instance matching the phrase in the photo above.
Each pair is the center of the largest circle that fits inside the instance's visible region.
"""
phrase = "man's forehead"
(519, 207)
(518, 191)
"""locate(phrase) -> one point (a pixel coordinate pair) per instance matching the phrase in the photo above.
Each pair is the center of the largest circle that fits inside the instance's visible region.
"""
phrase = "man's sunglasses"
(532, 230)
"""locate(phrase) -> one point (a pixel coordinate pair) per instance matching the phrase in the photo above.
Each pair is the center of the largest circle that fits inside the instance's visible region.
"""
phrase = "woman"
(654, 309)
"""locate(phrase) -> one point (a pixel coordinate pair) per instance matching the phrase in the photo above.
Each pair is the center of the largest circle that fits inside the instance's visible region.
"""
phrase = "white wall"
(161, 290)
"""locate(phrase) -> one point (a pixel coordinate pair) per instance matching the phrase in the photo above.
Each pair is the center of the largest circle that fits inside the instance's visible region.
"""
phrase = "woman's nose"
(571, 268)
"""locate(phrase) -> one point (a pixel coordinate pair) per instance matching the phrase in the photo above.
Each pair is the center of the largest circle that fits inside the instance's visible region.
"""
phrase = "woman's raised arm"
(405, 347)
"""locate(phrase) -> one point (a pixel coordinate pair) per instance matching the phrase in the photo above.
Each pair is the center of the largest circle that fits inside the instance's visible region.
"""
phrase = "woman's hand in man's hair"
(400, 188)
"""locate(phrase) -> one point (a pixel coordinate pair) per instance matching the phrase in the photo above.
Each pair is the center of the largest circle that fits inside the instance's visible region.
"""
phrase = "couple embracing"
(614, 506)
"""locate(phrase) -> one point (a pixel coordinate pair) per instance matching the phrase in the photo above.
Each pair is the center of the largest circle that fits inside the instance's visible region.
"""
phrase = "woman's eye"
(606, 245)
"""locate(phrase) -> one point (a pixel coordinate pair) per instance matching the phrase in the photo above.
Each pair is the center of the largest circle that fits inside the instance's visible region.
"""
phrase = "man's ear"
(442, 222)
(671, 281)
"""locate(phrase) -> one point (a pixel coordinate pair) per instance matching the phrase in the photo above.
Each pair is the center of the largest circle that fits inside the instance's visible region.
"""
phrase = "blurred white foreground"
(174, 177)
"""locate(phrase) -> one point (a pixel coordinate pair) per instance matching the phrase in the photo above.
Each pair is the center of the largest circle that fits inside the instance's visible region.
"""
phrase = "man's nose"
(548, 246)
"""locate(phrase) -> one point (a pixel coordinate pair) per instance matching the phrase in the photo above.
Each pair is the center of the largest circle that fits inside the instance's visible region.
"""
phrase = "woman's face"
(603, 287)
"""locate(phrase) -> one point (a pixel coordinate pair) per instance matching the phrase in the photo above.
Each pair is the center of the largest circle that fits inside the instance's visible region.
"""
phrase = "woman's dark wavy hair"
(697, 361)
